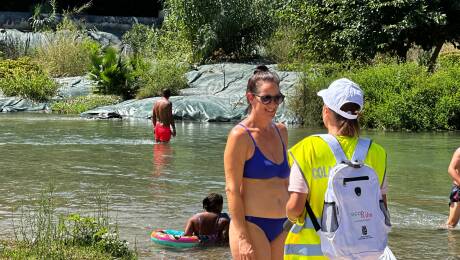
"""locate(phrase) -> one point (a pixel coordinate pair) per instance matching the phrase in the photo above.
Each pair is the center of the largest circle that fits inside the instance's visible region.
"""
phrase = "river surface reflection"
(160, 185)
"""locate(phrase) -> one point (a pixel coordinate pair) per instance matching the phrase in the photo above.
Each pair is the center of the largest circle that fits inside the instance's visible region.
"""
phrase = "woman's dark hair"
(261, 74)
(347, 127)
(213, 203)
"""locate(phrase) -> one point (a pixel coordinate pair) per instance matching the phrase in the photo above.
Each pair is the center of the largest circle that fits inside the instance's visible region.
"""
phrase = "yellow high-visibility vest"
(315, 159)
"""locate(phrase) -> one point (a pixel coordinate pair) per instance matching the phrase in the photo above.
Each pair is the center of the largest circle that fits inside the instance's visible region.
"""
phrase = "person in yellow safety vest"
(343, 100)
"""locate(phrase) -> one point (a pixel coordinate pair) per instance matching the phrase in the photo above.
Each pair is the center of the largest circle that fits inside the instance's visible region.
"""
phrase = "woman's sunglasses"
(267, 99)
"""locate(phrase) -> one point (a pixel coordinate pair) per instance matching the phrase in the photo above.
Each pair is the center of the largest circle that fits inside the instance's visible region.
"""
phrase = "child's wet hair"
(213, 203)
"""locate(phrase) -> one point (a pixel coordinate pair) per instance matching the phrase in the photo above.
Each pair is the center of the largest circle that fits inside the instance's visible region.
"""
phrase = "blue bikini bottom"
(272, 227)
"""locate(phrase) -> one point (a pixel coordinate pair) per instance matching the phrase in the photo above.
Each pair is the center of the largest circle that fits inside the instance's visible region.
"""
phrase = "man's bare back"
(162, 111)
(163, 119)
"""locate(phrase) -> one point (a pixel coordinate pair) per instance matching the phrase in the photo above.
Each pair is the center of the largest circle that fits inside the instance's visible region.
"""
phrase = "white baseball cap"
(340, 92)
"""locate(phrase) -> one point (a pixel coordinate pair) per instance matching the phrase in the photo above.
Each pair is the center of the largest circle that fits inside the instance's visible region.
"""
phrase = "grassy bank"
(81, 104)
(41, 232)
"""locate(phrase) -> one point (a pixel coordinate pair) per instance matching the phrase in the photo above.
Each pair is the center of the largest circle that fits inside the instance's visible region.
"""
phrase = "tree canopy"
(233, 27)
(357, 29)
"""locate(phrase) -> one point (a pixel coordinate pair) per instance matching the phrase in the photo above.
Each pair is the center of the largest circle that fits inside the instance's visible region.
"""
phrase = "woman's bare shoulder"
(238, 133)
(281, 126)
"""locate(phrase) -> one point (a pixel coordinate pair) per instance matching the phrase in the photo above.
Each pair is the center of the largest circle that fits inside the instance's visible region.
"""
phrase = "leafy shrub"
(25, 78)
(405, 96)
(278, 47)
(112, 74)
(81, 104)
(385, 87)
(161, 74)
(397, 96)
(314, 77)
(449, 59)
(142, 39)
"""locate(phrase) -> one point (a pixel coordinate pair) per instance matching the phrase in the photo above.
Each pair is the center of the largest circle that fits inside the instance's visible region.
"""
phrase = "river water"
(154, 186)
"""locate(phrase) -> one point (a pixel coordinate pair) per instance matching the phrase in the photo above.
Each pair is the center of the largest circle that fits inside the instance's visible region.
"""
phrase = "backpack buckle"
(353, 164)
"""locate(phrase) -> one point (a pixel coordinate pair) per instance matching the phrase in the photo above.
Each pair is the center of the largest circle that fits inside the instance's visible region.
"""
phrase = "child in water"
(211, 225)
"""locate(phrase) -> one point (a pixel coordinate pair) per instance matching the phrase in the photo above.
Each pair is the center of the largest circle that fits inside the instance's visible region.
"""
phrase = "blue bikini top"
(259, 167)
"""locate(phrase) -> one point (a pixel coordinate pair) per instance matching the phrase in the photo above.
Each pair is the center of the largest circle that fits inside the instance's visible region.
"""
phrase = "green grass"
(81, 104)
(21, 250)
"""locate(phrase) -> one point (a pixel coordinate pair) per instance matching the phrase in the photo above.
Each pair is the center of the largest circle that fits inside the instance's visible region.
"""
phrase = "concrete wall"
(113, 24)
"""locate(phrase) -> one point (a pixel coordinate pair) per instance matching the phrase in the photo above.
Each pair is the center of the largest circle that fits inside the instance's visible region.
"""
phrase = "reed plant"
(41, 232)
(67, 51)
(66, 54)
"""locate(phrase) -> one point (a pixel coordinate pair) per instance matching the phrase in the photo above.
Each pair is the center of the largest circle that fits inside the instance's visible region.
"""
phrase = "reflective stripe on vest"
(303, 250)
(308, 225)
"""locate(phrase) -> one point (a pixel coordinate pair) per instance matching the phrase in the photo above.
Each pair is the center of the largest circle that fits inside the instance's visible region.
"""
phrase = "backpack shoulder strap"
(310, 212)
(335, 147)
(361, 150)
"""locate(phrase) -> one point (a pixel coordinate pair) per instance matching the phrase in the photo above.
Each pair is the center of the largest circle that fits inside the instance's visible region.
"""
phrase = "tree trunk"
(401, 52)
(434, 57)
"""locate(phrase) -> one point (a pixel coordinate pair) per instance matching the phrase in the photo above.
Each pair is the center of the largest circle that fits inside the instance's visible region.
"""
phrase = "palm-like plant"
(112, 74)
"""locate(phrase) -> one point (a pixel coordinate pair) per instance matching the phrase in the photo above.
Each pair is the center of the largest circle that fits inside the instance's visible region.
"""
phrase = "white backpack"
(355, 222)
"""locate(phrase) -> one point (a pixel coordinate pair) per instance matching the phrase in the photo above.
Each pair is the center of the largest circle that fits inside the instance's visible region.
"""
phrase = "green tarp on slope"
(216, 93)
(69, 87)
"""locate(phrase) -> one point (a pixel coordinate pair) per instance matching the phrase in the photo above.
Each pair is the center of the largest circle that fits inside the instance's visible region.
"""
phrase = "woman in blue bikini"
(256, 173)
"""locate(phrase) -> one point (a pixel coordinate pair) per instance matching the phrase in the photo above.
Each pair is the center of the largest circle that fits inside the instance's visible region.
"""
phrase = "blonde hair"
(347, 127)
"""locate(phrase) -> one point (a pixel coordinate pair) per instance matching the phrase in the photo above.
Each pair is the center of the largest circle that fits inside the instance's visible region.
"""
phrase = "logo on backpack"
(358, 191)
(364, 230)
(353, 193)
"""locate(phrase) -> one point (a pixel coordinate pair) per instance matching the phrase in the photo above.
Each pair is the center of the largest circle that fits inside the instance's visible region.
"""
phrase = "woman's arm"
(234, 158)
(295, 205)
(298, 193)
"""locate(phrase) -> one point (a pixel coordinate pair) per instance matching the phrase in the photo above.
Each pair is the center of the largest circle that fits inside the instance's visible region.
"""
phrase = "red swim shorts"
(162, 133)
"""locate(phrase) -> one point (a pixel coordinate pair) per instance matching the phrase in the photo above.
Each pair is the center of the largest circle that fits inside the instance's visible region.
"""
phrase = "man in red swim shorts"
(162, 118)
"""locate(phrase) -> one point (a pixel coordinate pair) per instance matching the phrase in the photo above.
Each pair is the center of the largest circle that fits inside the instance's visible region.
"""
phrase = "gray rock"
(104, 38)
